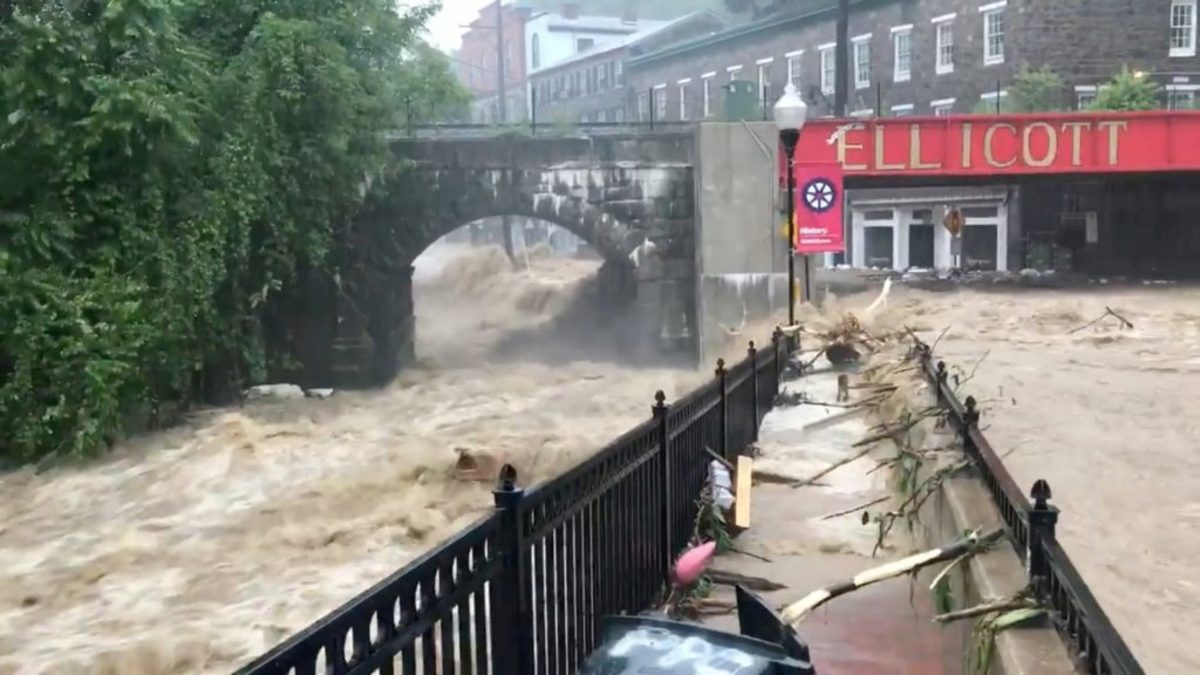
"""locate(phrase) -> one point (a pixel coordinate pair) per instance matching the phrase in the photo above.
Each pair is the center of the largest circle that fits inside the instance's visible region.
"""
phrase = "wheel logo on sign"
(819, 195)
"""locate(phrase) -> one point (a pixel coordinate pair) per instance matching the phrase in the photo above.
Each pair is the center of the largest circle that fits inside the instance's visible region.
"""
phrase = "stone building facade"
(590, 86)
(929, 57)
(936, 58)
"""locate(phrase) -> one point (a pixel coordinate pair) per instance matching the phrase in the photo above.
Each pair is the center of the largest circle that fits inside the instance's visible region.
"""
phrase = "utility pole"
(501, 71)
(502, 114)
(842, 59)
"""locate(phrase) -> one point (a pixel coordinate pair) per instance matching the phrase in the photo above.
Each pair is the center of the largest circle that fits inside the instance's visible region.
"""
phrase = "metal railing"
(522, 591)
(1097, 647)
(451, 131)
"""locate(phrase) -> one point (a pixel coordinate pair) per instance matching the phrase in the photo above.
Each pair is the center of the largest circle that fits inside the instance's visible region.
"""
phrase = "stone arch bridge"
(632, 198)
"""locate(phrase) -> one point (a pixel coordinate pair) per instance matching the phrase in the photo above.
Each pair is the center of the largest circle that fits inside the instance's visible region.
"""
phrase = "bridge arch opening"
(556, 299)
(633, 204)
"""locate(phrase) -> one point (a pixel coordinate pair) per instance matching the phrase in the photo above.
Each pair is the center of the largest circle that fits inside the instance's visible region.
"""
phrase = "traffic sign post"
(954, 222)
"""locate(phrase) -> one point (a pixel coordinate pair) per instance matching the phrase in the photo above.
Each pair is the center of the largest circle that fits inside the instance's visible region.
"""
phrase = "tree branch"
(969, 545)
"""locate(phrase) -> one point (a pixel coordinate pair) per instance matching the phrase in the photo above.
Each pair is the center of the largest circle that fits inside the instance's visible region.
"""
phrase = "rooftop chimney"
(629, 15)
(570, 10)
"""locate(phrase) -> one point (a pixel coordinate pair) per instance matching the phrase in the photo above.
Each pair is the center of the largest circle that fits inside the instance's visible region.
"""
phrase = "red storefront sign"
(818, 202)
(977, 145)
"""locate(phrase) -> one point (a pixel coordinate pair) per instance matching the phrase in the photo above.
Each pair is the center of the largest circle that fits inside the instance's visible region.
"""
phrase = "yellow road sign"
(954, 221)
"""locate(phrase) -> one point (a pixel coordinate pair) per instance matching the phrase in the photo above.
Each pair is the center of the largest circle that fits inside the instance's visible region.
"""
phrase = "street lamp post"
(790, 115)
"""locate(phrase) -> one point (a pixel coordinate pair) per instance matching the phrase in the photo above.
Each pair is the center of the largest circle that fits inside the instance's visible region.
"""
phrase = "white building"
(901, 229)
(552, 37)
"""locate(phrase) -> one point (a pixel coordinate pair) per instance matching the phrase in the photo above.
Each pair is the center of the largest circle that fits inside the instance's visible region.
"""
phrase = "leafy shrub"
(165, 168)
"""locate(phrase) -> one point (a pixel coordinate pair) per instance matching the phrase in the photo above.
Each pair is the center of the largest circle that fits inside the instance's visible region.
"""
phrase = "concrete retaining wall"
(964, 504)
(741, 255)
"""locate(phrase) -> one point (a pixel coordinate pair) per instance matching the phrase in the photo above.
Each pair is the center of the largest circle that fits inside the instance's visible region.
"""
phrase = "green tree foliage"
(165, 168)
(1127, 91)
(989, 107)
(1038, 90)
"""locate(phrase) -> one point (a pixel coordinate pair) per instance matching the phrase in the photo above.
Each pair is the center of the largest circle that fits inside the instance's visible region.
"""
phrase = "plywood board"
(745, 478)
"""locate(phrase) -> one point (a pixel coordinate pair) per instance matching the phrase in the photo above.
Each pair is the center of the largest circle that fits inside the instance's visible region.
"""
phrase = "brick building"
(477, 65)
(938, 57)
(590, 86)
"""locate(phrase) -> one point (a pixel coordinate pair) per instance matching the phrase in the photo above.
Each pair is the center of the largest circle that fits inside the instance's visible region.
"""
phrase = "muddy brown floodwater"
(195, 549)
(1107, 416)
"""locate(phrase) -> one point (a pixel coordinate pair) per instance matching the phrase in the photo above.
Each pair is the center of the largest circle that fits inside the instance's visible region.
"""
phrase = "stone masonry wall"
(1085, 41)
(631, 198)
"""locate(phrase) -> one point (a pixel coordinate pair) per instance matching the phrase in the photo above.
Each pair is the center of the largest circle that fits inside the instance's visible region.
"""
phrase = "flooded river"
(194, 549)
(1107, 416)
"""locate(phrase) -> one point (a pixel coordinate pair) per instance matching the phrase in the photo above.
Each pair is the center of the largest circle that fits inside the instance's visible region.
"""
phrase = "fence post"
(511, 621)
(662, 417)
(1043, 519)
(724, 441)
(533, 98)
(776, 339)
(753, 353)
(970, 419)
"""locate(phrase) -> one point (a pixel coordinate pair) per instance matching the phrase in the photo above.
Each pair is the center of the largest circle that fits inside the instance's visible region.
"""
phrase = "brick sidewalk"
(883, 629)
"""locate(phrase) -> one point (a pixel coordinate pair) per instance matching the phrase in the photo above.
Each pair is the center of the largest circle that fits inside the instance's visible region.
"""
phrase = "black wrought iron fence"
(1097, 647)
(523, 589)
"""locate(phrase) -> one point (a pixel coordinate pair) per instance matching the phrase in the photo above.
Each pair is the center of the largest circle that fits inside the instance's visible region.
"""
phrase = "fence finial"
(971, 415)
(508, 479)
(1041, 494)
(720, 367)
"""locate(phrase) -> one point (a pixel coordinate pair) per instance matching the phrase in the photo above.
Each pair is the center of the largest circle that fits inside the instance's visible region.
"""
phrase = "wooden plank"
(741, 505)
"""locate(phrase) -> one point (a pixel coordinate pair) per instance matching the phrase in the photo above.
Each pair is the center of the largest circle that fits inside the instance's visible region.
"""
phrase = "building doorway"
(879, 247)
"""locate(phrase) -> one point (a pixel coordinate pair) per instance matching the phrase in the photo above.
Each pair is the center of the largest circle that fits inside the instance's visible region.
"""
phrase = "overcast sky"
(444, 29)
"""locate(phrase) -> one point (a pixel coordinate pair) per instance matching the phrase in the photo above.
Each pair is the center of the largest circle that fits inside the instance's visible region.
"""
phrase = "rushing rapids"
(194, 549)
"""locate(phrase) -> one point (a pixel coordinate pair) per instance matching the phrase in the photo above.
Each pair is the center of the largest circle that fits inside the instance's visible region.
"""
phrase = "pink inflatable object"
(690, 566)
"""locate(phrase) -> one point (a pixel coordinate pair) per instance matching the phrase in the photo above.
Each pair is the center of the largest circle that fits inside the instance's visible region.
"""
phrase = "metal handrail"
(1098, 648)
(525, 586)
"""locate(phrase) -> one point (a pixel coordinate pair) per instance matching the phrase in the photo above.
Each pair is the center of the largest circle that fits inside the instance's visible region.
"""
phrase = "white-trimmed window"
(707, 92)
(862, 61)
(994, 100)
(902, 110)
(764, 79)
(942, 107)
(1182, 96)
(733, 72)
(943, 30)
(902, 43)
(1085, 96)
(1183, 28)
(643, 106)
(660, 102)
(993, 32)
(828, 68)
(793, 66)
(684, 84)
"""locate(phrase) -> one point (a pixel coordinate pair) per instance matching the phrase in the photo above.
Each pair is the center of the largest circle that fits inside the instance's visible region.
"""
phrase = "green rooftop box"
(741, 101)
